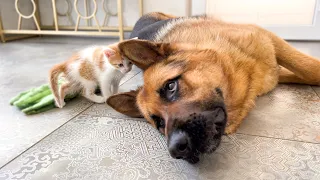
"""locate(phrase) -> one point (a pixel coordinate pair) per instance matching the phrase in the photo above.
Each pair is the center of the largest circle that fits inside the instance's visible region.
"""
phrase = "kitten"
(87, 69)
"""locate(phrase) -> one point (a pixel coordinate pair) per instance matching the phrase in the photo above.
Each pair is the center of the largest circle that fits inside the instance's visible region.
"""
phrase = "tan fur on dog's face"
(195, 92)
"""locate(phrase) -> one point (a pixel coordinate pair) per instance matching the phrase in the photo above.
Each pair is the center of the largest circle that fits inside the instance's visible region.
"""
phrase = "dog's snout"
(179, 145)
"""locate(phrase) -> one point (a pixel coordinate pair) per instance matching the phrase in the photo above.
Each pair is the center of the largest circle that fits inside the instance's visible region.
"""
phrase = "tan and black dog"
(202, 77)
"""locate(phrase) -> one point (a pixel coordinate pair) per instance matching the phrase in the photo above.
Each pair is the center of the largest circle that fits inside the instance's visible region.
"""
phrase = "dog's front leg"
(239, 113)
(234, 122)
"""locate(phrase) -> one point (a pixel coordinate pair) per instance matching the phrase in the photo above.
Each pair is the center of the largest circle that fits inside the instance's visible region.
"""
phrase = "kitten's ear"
(125, 103)
(108, 52)
(144, 53)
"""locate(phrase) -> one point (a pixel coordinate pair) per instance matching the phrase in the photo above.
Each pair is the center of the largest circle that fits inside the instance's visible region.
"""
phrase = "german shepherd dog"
(202, 77)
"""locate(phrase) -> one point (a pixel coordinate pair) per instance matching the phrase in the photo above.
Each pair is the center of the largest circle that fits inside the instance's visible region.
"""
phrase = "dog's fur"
(215, 64)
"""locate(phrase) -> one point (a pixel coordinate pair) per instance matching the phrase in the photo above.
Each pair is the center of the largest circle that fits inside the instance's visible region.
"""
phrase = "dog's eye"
(170, 91)
(158, 121)
(171, 86)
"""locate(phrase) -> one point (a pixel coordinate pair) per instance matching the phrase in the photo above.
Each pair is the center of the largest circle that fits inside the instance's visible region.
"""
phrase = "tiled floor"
(280, 139)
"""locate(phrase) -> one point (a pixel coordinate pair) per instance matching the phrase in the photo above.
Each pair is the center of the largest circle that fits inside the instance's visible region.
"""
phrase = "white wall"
(264, 12)
(198, 7)
(130, 11)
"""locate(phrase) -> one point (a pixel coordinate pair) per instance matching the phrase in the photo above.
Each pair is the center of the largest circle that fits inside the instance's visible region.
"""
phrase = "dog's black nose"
(179, 145)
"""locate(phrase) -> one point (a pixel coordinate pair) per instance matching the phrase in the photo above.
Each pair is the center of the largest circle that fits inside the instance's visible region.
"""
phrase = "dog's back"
(148, 25)
(151, 25)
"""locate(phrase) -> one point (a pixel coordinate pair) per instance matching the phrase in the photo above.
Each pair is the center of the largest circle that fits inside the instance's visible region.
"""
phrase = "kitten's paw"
(60, 104)
(63, 104)
(57, 104)
(105, 99)
(100, 100)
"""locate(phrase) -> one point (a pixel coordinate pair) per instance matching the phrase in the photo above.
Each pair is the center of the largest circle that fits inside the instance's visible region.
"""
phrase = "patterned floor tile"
(91, 147)
(19, 132)
(288, 112)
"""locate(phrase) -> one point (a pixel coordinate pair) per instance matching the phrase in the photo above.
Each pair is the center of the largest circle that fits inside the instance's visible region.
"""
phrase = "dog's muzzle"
(200, 133)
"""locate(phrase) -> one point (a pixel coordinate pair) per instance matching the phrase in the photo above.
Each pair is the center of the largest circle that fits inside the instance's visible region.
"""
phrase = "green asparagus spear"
(31, 97)
(47, 100)
(34, 91)
(14, 99)
(43, 109)
(45, 103)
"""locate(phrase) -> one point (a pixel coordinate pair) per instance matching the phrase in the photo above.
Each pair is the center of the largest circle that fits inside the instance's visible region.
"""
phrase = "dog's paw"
(230, 129)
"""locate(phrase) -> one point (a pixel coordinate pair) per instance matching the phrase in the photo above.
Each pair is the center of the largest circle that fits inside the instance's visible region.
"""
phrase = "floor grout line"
(75, 116)
(129, 78)
(315, 91)
(292, 140)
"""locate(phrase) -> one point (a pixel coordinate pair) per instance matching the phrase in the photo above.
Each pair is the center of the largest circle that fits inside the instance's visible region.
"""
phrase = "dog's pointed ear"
(144, 53)
(125, 103)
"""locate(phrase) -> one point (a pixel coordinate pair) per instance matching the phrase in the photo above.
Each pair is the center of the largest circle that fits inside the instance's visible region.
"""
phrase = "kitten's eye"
(120, 65)
(130, 63)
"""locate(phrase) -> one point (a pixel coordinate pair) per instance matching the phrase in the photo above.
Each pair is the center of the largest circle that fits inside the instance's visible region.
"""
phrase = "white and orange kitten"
(100, 66)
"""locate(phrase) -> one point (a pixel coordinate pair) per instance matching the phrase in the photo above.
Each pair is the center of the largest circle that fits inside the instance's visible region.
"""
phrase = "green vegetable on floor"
(31, 97)
(37, 100)
(14, 99)
(40, 110)
(47, 100)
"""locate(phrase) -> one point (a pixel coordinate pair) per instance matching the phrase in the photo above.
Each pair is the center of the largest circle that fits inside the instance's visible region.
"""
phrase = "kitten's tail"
(54, 73)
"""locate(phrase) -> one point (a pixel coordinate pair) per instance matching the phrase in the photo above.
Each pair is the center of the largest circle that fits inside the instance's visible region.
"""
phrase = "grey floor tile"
(91, 147)
(288, 112)
(135, 70)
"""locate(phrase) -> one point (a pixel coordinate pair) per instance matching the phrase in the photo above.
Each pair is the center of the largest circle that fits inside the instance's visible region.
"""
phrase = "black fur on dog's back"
(148, 25)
